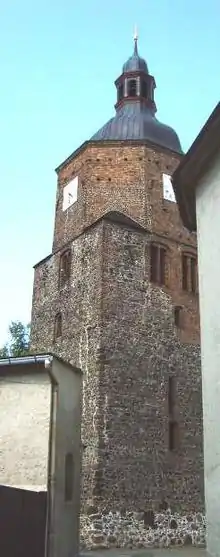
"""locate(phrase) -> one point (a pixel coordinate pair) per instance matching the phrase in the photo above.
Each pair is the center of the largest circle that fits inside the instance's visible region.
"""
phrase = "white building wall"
(24, 430)
(208, 229)
(66, 439)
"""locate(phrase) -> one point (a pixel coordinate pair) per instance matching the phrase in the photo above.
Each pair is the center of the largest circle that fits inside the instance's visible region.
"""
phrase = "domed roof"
(135, 63)
(137, 122)
(135, 110)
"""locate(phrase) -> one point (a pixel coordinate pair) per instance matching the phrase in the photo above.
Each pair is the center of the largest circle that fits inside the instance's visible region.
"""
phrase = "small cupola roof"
(136, 108)
(135, 63)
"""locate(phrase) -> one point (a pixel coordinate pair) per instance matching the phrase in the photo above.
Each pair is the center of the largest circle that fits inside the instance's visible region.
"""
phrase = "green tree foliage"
(19, 341)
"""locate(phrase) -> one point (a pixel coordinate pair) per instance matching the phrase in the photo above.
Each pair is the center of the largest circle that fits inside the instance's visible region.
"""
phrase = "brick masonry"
(119, 327)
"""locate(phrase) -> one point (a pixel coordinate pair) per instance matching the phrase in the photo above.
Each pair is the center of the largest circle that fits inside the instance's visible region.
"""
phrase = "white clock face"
(70, 193)
(168, 192)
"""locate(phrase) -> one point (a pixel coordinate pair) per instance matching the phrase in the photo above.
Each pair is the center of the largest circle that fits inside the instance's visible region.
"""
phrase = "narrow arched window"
(132, 88)
(158, 264)
(69, 477)
(173, 426)
(58, 326)
(178, 316)
(171, 394)
(189, 272)
(65, 267)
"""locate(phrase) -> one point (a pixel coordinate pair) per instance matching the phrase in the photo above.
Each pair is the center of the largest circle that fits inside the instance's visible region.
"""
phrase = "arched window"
(173, 425)
(178, 316)
(171, 395)
(158, 264)
(189, 272)
(58, 326)
(120, 91)
(144, 88)
(69, 477)
(65, 267)
(132, 88)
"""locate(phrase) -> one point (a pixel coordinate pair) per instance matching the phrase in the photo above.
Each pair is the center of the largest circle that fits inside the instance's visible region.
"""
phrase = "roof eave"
(97, 142)
(33, 359)
(196, 162)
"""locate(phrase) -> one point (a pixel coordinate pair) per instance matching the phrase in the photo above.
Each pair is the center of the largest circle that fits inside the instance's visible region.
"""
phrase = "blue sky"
(58, 64)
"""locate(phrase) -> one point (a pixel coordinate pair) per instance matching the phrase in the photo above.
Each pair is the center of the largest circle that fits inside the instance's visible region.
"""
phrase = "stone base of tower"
(136, 531)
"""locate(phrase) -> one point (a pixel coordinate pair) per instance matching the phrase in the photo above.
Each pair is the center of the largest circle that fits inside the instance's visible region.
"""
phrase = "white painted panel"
(24, 431)
(168, 192)
(208, 234)
(70, 193)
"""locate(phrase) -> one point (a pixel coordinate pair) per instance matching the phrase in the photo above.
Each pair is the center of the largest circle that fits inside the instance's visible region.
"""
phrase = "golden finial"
(135, 39)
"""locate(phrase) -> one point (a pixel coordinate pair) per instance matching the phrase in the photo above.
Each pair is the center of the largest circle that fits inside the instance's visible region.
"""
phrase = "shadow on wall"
(22, 522)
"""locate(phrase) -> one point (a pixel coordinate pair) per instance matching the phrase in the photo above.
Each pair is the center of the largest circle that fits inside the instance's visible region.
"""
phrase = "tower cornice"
(117, 142)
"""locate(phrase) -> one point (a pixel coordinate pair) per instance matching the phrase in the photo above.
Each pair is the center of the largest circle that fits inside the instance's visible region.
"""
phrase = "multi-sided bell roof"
(135, 109)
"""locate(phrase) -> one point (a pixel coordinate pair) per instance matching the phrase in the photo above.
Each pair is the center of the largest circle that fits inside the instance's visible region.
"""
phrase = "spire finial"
(135, 39)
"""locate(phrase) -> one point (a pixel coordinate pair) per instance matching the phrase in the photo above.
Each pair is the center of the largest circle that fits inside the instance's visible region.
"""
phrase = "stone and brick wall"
(79, 303)
(120, 176)
(120, 329)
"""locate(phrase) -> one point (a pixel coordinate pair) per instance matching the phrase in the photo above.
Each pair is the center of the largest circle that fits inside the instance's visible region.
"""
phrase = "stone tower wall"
(142, 349)
(79, 302)
(120, 329)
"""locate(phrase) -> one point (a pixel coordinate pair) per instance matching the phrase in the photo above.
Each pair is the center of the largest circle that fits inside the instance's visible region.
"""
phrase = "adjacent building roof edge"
(193, 165)
(111, 142)
(33, 359)
(71, 366)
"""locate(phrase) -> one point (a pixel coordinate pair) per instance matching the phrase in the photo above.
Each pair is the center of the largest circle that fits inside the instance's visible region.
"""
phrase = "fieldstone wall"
(79, 301)
(141, 349)
(120, 329)
(142, 530)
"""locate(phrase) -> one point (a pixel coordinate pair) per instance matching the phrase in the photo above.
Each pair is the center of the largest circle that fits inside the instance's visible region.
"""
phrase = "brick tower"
(118, 297)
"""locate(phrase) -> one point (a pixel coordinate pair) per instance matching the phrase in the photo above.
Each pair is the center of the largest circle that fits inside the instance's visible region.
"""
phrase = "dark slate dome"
(135, 63)
(135, 109)
(133, 121)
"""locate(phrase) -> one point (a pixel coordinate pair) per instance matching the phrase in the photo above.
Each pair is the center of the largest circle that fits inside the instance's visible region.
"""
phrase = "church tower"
(118, 296)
